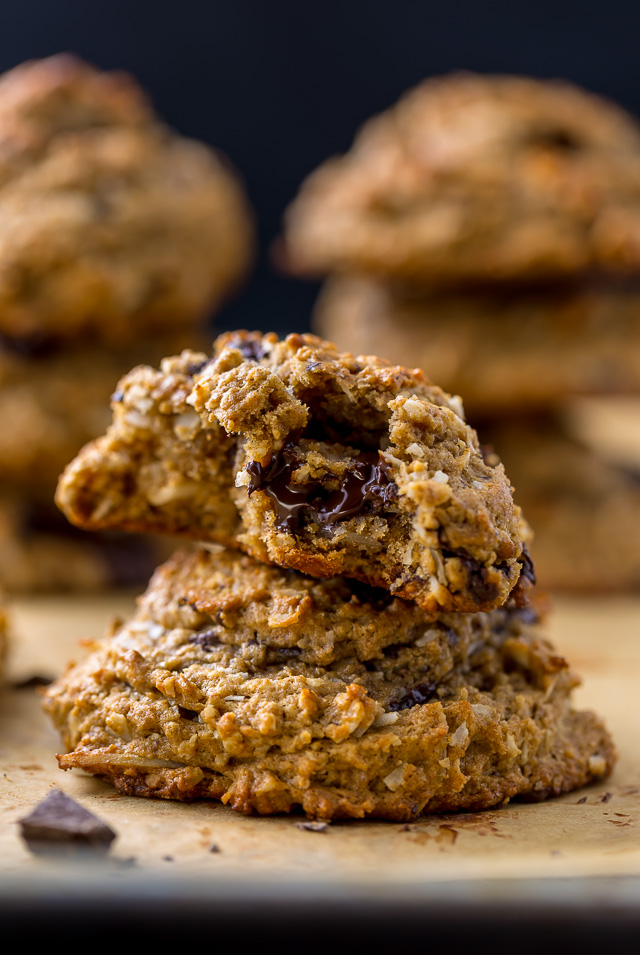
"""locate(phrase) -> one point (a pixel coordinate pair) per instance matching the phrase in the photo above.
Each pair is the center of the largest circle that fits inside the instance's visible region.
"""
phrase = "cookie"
(111, 224)
(312, 459)
(4, 637)
(178, 703)
(501, 348)
(55, 400)
(476, 178)
(585, 509)
(40, 552)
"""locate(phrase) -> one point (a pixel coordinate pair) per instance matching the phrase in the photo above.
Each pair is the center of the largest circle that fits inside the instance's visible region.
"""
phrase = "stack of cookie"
(117, 239)
(356, 637)
(487, 229)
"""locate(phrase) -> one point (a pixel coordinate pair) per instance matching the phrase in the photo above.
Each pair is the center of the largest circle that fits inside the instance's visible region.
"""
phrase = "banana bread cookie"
(476, 178)
(501, 348)
(110, 223)
(308, 458)
(40, 552)
(228, 683)
(585, 509)
(54, 400)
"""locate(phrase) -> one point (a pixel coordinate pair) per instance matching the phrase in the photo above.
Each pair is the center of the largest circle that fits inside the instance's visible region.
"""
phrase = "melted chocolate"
(421, 693)
(366, 487)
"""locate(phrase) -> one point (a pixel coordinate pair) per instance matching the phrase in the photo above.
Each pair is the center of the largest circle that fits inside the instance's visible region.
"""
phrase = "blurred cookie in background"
(54, 400)
(40, 552)
(498, 347)
(487, 229)
(476, 178)
(111, 224)
(118, 241)
(583, 505)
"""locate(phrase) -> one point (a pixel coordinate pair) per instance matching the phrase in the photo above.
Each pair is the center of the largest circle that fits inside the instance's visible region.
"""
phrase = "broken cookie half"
(312, 459)
(272, 691)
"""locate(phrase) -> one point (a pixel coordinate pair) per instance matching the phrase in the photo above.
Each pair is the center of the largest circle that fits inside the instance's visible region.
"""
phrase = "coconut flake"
(395, 778)
(460, 737)
(385, 719)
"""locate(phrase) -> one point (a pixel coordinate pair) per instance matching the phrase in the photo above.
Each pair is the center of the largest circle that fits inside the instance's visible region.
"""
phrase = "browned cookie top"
(270, 691)
(109, 222)
(308, 458)
(475, 178)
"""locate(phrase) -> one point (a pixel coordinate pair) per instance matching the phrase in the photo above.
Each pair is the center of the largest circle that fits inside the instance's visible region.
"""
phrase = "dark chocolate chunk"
(417, 695)
(59, 822)
(215, 848)
(366, 487)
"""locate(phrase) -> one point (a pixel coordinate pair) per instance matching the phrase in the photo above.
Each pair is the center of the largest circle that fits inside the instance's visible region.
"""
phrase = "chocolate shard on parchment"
(59, 822)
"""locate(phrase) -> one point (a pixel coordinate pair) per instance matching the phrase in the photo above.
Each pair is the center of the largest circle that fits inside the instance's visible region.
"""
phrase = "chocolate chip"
(59, 822)
(414, 697)
(215, 848)
(366, 487)
(196, 366)
(251, 348)
(207, 639)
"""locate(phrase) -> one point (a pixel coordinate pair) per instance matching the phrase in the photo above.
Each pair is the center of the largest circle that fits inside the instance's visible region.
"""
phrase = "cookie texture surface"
(401, 712)
(499, 347)
(585, 508)
(110, 224)
(473, 178)
(308, 458)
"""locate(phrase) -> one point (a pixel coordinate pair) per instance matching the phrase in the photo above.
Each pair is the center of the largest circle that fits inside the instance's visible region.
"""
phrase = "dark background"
(279, 85)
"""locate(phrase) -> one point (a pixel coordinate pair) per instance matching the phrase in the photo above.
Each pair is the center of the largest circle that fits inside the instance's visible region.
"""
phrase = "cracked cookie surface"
(401, 712)
(312, 459)
(110, 224)
(476, 178)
